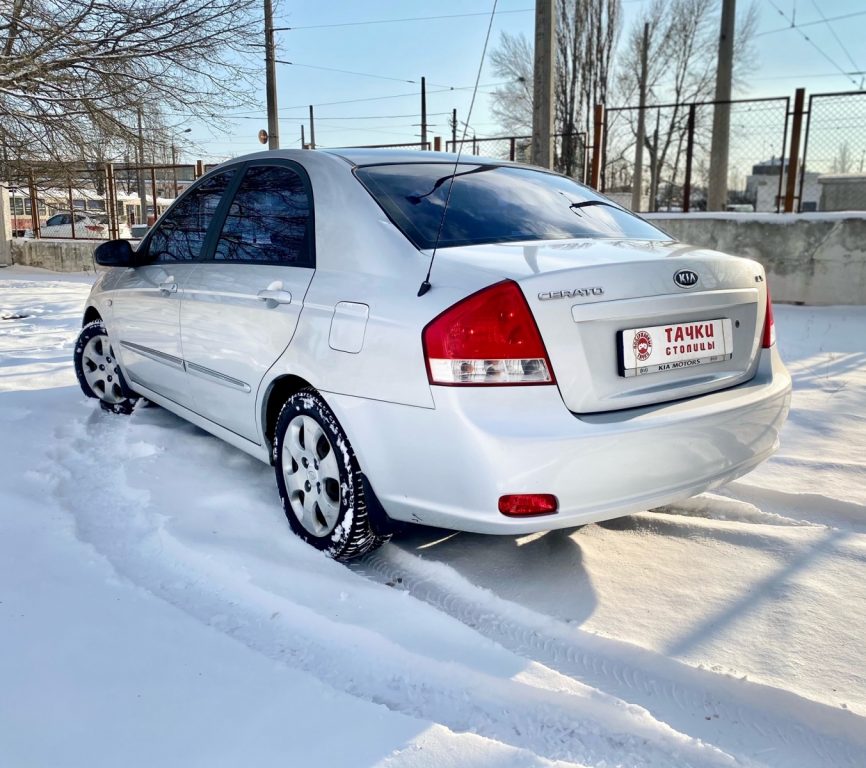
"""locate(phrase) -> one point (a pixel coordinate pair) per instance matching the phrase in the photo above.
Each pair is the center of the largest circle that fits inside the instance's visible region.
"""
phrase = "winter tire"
(319, 479)
(98, 371)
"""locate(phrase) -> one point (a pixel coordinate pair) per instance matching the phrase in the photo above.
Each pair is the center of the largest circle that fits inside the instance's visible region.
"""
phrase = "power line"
(399, 21)
(800, 77)
(833, 32)
(808, 23)
(380, 117)
(413, 94)
(810, 41)
(359, 74)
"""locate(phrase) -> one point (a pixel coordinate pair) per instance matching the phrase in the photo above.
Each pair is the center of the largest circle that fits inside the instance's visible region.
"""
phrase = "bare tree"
(681, 70)
(843, 162)
(512, 103)
(74, 73)
(586, 32)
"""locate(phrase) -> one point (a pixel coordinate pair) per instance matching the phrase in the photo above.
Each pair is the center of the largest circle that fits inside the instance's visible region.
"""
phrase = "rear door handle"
(274, 297)
(168, 286)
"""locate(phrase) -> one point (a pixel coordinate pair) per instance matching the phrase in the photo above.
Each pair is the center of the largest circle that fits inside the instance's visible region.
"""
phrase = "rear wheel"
(319, 479)
(98, 371)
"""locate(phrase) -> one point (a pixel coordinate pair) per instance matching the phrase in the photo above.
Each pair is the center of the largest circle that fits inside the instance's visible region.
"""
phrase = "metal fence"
(833, 170)
(93, 201)
(420, 145)
(96, 201)
(676, 154)
(570, 151)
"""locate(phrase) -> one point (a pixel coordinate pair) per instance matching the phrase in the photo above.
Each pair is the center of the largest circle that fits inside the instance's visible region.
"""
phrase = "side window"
(269, 220)
(180, 235)
(55, 220)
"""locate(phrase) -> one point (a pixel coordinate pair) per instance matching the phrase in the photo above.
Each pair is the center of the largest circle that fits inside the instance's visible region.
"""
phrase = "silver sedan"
(474, 345)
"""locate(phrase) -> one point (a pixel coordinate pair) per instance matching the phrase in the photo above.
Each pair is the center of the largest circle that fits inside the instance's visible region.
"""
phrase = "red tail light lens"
(769, 324)
(488, 338)
(521, 504)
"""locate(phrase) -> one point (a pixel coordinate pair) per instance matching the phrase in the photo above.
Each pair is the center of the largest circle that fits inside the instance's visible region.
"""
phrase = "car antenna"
(425, 286)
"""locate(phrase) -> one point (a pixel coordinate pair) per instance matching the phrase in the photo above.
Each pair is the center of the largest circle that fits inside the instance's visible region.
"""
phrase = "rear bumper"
(448, 466)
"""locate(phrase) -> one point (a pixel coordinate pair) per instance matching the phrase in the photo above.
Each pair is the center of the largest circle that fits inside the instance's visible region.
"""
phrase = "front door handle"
(168, 286)
(274, 297)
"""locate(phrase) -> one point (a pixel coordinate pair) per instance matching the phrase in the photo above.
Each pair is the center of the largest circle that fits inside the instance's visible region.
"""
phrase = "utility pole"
(174, 166)
(637, 182)
(542, 92)
(303, 140)
(174, 159)
(454, 130)
(142, 195)
(271, 79)
(717, 194)
(423, 113)
(312, 129)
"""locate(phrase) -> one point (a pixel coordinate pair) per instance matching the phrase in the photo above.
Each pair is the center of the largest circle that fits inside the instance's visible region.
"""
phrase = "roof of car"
(374, 156)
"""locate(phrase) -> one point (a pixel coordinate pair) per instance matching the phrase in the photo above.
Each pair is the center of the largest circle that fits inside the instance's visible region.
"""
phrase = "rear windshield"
(495, 204)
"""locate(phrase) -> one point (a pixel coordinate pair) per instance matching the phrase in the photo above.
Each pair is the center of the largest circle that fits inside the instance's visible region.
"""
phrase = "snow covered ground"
(155, 610)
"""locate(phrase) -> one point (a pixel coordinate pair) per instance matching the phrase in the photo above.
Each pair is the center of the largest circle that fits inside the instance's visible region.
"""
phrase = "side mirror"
(115, 253)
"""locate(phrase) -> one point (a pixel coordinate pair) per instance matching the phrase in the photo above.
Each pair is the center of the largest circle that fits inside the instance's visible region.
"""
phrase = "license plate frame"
(654, 349)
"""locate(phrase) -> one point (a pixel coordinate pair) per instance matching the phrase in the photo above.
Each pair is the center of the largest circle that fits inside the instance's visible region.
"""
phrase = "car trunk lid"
(620, 331)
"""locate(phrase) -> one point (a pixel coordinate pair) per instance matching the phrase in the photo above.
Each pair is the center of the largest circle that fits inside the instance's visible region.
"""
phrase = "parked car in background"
(88, 224)
(566, 362)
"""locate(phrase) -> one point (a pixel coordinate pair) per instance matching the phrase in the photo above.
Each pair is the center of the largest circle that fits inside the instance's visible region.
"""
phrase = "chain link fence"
(570, 151)
(419, 145)
(676, 155)
(833, 171)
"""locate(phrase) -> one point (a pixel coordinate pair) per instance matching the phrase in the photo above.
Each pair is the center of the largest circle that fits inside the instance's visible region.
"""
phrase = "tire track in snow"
(814, 508)
(710, 506)
(748, 720)
(120, 524)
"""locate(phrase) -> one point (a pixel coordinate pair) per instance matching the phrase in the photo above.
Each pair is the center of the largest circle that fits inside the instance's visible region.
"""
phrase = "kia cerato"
(475, 345)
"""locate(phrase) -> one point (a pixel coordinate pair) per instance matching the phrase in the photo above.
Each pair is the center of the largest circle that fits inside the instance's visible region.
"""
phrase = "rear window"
(495, 204)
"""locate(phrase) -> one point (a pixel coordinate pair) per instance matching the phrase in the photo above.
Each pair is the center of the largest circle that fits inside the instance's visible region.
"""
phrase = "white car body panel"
(145, 328)
(451, 464)
(603, 444)
(226, 361)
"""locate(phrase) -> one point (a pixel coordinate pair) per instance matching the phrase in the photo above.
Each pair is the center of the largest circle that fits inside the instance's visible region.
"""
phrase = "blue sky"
(355, 109)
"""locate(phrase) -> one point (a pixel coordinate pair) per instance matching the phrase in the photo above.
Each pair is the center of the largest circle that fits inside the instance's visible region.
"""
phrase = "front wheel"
(98, 371)
(319, 479)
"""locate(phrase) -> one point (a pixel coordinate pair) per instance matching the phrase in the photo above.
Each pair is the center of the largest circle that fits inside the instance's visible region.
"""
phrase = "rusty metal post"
(110, 205)
(153, 192)
(71, 209)
(690, 151)
(199, 168)
(598, 139)
(512, 149)
(34, 206)
(794, 157)
(437, 143)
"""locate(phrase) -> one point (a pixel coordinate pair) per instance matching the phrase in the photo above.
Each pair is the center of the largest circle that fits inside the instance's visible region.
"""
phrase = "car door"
(241, 306)
(145, 320)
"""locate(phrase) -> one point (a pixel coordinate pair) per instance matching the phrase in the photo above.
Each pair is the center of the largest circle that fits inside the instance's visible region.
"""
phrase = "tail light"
(769, 324)
(521, 504)
(489, 337)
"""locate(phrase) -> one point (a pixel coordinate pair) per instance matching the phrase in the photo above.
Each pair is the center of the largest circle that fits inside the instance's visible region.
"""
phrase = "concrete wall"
(57, 255)
(810, 258)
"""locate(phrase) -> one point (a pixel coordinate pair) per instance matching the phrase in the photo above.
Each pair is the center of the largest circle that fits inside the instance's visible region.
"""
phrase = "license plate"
(674, 346)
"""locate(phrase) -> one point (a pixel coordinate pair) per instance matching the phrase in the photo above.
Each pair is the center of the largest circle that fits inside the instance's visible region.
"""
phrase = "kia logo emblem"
(686, 278)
